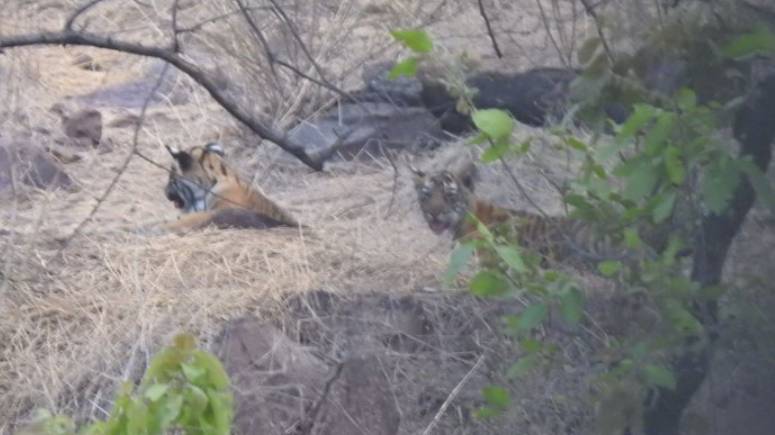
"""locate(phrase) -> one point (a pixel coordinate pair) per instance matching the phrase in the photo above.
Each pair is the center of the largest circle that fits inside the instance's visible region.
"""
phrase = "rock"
(533, 97)
(275, 379)
(82, 127)
(360, 401)
(400, 91)
(30, 165)
(366, 127)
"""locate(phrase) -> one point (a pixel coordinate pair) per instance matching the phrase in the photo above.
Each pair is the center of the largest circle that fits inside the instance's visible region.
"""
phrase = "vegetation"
(666, 169)
(183, 389)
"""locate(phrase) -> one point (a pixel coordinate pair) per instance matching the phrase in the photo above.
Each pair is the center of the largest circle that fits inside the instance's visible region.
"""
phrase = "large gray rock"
(366, 128)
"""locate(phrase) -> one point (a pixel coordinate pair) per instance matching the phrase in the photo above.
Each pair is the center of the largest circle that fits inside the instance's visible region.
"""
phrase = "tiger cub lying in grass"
(446, 198)
(209, 192)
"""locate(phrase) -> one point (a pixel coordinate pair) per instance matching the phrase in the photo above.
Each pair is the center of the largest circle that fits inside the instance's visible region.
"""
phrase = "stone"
(31, 165)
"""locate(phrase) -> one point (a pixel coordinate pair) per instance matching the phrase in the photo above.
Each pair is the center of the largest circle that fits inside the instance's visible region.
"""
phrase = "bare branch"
(550, 34)
(211, 20)
(489, 30)
(259, 35)
(195, 73)
(78, 12)
(323, 82)
(175, 42)
(599, 26)
(455, 391)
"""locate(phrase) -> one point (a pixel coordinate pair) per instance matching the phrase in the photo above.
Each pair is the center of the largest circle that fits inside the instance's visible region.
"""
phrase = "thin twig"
(323, 82)
(599, 26)
(78, 12)
(451, 397)
(175, 42)
(520, 187)
(199, 25)
(124, 165)
(259, 35)
(489, 30)
(392, 161)
(548, 28)
(306, 426)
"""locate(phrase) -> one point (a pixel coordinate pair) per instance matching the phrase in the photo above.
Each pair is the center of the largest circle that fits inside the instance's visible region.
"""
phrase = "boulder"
(82, 127)
(361, 130)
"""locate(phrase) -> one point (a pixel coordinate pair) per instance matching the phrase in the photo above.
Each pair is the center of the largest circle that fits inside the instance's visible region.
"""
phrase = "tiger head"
(193, 176)
(445, 197)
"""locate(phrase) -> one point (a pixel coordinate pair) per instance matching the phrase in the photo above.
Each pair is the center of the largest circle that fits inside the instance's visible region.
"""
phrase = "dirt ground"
(80, 314)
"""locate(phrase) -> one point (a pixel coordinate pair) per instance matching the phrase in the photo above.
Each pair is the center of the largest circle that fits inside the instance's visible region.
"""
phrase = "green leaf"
(415, 40)
(495, 151)
(686, 99)
(572, 305)
(659, 376)
(497, 397)
(641, 115)
(485, 232)
(530, 345)
(479, 139)
(156, 391)
(760, 40)
(532, 316)
(170, 410)
(664, 207)
(459, 258)
(510, 255)
(641, 182)
(407, 67)
(523, 366)
(632, 239)
(192, 373)
(674, 165)
(657, 135)
(487, 283)
(609, 268)
(719, 183)
(495, 123)
(576, 144)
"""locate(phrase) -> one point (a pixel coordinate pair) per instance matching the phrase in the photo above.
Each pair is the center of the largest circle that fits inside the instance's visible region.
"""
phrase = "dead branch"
(175, 32)
(455, 391)
(490, 32)
(195, 73)
(80, 11)
(323, 82)
(599, 26)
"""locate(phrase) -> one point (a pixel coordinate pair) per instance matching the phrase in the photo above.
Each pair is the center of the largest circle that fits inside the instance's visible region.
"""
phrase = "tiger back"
(209, 192)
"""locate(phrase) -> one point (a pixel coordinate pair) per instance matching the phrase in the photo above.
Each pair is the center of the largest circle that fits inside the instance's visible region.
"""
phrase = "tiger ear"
(417, 175)
(467, 174)
(183, 158)
(174, 152)
(216, 148)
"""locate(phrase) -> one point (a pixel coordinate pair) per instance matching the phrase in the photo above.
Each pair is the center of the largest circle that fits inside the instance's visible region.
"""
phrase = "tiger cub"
(446, 198)
(209, 192)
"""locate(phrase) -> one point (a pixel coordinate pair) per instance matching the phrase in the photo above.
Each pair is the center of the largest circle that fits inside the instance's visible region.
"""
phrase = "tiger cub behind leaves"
(446, 197)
